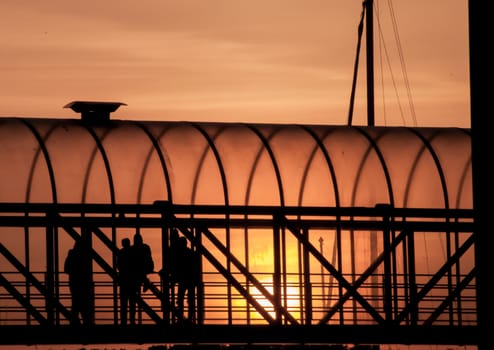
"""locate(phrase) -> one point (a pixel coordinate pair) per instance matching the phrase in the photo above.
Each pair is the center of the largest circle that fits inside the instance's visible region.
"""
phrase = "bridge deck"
(238, 335)
(374, 286)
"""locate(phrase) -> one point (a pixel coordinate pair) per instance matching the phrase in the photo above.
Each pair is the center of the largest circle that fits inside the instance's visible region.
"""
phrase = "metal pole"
(480, 91)
(370, 61)
(323, 287)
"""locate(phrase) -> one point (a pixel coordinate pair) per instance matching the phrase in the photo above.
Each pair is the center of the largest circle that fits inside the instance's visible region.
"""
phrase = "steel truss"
(386, 300)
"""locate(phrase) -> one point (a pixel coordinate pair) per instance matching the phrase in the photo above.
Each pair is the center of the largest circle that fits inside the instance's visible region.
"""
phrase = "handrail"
(388, 290)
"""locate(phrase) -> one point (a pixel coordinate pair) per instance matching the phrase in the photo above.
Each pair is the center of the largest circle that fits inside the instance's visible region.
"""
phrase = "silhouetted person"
(186, 275)
(78, 266)
(124, 261)
(141, 265)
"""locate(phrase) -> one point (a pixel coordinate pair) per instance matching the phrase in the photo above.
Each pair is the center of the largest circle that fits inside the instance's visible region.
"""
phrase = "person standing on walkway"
(78, 266)
(187, 276)
(124, 261)
(141, 265)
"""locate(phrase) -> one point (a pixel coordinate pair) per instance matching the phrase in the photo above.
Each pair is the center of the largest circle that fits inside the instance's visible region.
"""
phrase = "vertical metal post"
(277, 266)
(165, 249)
(27, 255)
(307, 284)
(373, 242)
(412, 282)
(387, 279)
(200, 286)
(115, 284)
(50, 269)
(87, 239)
(370, 61)
(480, 76)
(323, 285)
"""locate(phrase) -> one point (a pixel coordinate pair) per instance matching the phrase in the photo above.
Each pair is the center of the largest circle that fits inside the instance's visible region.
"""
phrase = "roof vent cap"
(93, 111)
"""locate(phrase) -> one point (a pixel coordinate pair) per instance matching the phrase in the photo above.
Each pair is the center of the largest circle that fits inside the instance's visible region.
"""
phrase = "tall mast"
(367, 15)
(370, 61)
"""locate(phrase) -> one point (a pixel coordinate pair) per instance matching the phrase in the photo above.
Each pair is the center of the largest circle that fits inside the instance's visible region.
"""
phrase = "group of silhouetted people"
(182, 269)
(134, 263)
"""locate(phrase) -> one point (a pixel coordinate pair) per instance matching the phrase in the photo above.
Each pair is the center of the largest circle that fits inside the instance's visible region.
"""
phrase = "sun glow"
(290, 300)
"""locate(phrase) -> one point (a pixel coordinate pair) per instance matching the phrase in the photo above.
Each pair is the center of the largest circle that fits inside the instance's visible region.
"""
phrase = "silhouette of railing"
(388, 290)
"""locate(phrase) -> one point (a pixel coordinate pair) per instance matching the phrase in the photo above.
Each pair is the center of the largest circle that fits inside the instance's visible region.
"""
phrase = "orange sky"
(281, 61)
(274, 61)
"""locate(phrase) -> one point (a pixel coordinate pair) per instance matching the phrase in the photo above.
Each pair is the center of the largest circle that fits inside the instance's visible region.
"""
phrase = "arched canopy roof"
(69, 161)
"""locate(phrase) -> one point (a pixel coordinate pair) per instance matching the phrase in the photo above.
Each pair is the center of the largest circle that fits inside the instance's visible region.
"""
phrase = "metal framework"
(293, 248)
(382, 298)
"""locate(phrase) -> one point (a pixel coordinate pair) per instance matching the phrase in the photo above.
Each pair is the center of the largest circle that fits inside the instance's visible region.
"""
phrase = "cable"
(402, 61)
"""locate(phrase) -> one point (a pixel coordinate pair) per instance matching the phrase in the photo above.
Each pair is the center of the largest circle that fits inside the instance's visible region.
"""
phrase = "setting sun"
(291, 300)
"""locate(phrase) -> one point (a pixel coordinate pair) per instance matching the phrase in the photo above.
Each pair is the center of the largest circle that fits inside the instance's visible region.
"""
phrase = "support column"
(481, 113)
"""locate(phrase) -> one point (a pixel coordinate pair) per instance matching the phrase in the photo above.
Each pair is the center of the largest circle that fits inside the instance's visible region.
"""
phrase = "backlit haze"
(274, 61)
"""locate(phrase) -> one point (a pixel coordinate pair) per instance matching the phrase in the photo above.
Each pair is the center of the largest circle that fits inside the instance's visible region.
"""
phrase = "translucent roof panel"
(69, 161)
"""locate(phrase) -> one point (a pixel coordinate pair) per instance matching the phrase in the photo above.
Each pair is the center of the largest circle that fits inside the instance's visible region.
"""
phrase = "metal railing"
(215, 308)
(386, 266)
